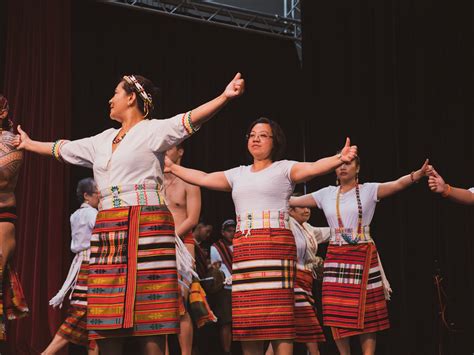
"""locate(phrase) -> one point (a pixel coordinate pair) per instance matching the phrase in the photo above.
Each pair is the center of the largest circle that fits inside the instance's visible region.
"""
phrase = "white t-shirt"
(216, 257)
(267, 189)
(82, 224)
(326, 200)
(138, 159)
(472, 189)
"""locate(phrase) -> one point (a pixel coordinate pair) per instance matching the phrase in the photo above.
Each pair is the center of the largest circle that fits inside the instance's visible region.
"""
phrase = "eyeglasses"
(260, 136)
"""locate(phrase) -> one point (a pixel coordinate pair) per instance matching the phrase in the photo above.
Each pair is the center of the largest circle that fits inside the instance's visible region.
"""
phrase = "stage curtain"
(37, 82)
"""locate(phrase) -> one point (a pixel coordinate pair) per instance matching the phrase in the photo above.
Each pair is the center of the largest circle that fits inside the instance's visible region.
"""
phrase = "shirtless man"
(10, 162)
(184, 202)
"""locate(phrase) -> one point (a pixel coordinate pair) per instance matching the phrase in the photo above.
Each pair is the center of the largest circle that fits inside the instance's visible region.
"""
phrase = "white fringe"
(387, 290)
(70, 283)
(184, 263)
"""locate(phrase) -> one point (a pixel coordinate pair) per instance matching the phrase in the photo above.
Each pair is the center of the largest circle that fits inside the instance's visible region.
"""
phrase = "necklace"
(118, 139)
(347, 237)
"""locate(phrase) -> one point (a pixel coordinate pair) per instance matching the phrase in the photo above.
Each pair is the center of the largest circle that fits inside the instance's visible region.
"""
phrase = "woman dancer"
(82, 223)
(132, 282)
(354, 284)
(307, 238)
(264, 247)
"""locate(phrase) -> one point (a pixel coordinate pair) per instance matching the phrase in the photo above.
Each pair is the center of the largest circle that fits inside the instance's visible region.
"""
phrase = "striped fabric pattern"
(8, 214)
(200, 311)
(353, 297)
(74, 328)
(263, 274)
(12, 300)
(188, 238)
(225, 253)
(132, 284)
(308, 329)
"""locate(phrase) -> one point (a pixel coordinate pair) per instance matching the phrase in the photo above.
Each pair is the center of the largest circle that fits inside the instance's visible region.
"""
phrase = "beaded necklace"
(118, 139)
(348, 238)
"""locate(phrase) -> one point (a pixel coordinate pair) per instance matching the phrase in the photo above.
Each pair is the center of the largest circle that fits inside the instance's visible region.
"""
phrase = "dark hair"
(7, 123)
(149, 88)
(85, 186)
(279, 138)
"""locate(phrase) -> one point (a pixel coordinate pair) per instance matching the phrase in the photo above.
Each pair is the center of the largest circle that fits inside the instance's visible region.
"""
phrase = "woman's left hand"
(426, 168)
(348, 153)
(235, 88)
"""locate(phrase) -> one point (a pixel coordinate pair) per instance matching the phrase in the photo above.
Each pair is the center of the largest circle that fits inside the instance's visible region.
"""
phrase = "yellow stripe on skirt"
(133, 285)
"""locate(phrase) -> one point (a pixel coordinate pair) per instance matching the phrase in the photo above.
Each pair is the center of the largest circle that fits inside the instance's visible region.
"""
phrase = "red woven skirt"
(133, 284)
(74, 328)
(12, 300)
(308, 329)
(263, 274)
(353, 297)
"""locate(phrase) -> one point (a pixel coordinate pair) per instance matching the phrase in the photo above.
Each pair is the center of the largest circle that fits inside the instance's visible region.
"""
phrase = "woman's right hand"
(22, 139)
(436, 182)
(168, 165)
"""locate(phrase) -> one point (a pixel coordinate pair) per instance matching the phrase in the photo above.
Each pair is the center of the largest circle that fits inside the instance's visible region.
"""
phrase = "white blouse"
(326, 200)
(82, 224)
(265, 190)
(137, 160)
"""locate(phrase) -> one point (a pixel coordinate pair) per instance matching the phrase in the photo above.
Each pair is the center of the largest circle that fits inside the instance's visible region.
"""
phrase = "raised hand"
(235, 88)
(426, 168)
(22, 139)
(436, 182)
(168, 165)
(348, 153)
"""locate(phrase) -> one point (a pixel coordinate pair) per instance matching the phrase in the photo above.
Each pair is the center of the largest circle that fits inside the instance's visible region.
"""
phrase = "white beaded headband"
(130, 79)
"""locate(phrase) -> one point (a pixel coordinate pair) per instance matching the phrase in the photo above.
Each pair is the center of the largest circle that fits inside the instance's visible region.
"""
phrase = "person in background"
(74, 328)
(221, 258)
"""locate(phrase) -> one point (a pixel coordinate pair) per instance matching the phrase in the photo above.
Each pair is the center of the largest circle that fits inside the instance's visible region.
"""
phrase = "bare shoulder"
(191, 189)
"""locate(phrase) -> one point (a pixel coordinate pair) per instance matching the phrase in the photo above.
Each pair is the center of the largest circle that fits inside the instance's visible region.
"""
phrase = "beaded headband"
(130, 79)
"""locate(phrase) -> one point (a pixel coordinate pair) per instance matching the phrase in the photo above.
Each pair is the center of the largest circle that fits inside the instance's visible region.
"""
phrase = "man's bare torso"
(10, 162)
(175, 192)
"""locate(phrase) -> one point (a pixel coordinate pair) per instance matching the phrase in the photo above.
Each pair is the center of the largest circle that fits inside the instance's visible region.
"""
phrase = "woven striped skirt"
(263, 273)
(74, 328)
(12, 300)
(353, 296)
(308, 329)
(132, 283)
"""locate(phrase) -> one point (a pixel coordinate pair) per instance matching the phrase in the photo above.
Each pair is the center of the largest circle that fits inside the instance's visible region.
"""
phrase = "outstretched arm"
(205, 112)
(23, 141)
(392, 187)
(438, 185)
(303, 201)
(301, 172)
(213, 181)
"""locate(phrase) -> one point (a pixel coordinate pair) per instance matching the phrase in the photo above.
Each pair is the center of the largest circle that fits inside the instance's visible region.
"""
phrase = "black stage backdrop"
(191, 63)
(397, 77)
(393, 75)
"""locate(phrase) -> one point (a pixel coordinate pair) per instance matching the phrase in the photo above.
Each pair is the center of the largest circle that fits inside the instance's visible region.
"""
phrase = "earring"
(357, 178)
(337, 181)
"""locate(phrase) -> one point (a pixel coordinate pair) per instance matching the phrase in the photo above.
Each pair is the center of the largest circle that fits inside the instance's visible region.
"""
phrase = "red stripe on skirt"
(260, 312)
(308, 329)
(134, 231)
(349, 307)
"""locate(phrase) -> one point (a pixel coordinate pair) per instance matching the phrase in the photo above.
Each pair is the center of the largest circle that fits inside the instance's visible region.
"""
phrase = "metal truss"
(287, 26)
